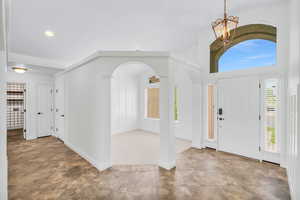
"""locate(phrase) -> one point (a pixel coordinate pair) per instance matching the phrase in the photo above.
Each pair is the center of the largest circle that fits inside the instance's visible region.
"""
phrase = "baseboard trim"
(98, 165)
(197, 146)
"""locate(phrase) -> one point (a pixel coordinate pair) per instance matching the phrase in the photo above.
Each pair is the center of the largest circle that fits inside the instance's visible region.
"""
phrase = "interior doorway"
(135, 115)
(16, 109)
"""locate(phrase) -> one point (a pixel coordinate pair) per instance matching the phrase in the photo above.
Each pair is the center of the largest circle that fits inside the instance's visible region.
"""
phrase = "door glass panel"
(271, 103)
(211, 135)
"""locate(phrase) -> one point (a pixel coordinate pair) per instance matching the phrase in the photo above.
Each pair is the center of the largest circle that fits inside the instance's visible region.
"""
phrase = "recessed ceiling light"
(49, 33)
(20, 69)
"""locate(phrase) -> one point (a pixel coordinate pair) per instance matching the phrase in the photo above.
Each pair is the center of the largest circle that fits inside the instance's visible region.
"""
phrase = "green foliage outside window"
(175, 104)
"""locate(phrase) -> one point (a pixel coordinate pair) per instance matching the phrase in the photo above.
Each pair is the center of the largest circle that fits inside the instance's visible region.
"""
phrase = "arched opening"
(135, 115)
(254, 45)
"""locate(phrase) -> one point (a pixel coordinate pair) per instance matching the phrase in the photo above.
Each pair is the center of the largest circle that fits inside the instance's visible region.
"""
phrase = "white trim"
(127, 54)
(31, 60)
(186, 64)
(99, 166)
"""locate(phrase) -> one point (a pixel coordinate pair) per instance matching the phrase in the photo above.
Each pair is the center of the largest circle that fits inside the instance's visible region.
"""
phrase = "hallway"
(46, 169)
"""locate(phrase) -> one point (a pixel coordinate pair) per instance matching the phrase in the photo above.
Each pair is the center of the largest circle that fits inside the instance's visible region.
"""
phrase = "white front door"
(238, 116)
(45, 110)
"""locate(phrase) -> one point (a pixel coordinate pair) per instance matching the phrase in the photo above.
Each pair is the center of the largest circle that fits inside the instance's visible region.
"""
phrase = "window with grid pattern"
(152, 103)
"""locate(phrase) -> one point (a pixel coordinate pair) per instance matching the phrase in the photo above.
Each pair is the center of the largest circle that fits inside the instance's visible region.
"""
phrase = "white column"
(197, 123)
(167, 137)
(104, 159)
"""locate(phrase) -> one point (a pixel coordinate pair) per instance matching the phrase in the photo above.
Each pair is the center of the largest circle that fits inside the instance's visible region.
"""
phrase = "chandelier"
(224, 29)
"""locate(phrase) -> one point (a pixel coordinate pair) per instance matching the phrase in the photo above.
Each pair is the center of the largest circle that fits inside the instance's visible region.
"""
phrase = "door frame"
(25, 106)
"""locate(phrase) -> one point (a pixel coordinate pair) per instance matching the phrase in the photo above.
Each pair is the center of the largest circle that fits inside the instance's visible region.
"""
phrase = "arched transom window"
(248, 54)
(253, 46)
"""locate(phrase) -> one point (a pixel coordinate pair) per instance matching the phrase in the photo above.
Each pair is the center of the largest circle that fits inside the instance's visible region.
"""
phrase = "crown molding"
(37, 61)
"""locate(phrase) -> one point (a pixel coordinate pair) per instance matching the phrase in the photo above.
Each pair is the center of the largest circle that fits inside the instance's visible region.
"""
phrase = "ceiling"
(85, 26)
(36, 69)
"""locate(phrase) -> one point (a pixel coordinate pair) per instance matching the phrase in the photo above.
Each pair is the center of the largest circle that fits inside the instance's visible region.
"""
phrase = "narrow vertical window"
(210, 113)
(271, 105)
(176, 104)
(153, 103)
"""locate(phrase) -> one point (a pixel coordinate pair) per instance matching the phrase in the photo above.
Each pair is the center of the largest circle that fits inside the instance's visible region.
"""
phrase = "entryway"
(243, 117)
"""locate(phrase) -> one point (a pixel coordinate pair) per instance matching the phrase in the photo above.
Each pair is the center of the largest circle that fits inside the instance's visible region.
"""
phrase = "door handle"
(221, 119)
(39, 113)
(62, 115)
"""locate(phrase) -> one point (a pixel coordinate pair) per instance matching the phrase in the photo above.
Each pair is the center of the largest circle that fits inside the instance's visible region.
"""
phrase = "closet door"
(59, 108)
(45, 110)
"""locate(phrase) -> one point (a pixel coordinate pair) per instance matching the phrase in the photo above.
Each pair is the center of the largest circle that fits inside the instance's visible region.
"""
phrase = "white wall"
(125, 102)
(293, 117)
(32, 81)
(3, 140)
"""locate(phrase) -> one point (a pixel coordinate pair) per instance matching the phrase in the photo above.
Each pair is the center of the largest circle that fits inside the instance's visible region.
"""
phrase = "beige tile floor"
(140, 147)
(46, 169)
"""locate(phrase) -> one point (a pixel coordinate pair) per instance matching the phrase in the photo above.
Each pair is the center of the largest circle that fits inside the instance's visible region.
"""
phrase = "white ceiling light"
(49, 33)
(19, 69)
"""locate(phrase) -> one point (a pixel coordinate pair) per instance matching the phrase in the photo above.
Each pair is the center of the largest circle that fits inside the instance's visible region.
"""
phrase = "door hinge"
(259, 148)
(56, 90)
(24, 110)
(51, 91)
(259, 117)
(259, 85)
(56, 129)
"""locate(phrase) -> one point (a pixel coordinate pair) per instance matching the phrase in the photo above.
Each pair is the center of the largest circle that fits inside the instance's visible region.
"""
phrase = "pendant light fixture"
(224, 28)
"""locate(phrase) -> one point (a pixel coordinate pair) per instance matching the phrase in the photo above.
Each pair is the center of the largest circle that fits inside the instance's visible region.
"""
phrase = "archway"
(243, 33)
(135, 115)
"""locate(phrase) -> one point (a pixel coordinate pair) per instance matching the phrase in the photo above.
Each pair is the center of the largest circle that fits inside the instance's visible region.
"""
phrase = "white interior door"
(59, 108)
(45, 110)
(238, 122)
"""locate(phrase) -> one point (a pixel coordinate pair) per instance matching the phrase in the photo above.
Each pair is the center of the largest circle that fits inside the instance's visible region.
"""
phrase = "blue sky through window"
(250, 53)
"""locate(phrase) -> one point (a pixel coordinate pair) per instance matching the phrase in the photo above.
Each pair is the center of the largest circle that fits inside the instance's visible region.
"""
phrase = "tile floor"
(46, 169)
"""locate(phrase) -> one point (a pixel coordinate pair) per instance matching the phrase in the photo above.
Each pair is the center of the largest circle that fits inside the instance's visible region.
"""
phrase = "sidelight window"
(210, 100)
(271, 106)
(152, 102)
